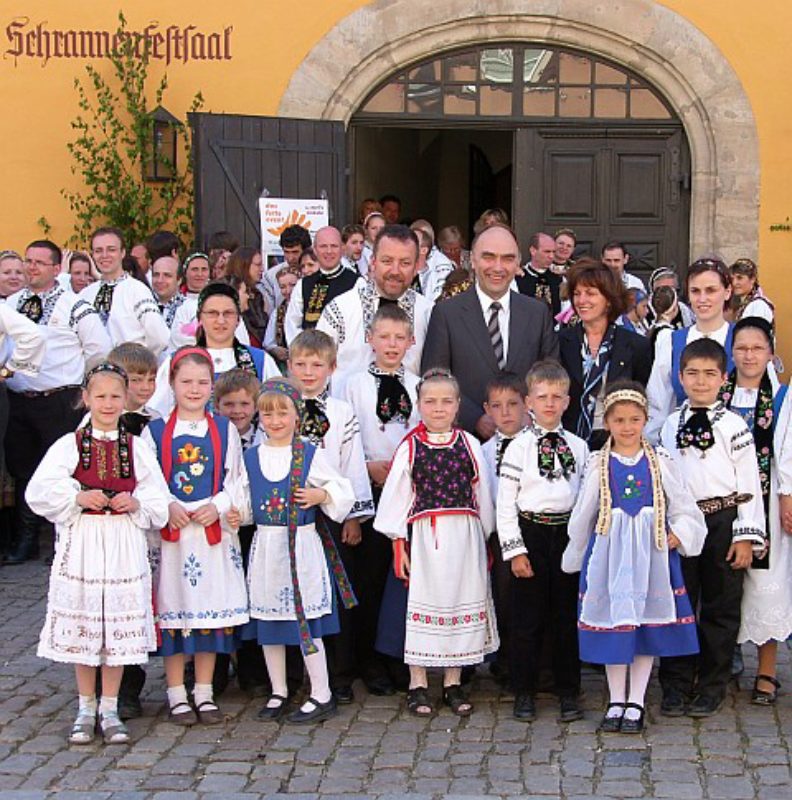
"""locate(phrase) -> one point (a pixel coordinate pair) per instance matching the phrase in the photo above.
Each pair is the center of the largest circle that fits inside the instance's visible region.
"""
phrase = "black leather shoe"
(611, 724)
(570, 711)
(524, 708)
(673, 704)
(272, 713)
(343, 695)
(319, 712)
(632, 725)
(381, 687)
(704, 705)
(129, 708)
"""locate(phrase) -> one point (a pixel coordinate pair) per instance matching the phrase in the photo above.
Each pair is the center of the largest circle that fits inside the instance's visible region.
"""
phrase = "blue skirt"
(286, 631)
(215, 640)
(621, 645)
(392, 623)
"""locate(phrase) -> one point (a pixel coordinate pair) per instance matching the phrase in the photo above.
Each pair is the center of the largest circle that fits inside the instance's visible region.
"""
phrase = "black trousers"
(715, 589)
(501, 578)
(548, 599)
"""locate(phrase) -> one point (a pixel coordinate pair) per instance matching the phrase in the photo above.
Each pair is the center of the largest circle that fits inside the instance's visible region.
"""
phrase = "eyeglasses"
(751, 351)
(34, 262)
(214, 315)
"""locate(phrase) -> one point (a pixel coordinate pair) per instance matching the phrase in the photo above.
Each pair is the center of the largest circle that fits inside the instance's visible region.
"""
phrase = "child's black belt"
(713, 505)
(546, 518)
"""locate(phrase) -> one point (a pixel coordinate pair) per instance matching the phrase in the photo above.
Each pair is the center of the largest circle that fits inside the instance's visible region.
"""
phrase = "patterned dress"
(436, 487)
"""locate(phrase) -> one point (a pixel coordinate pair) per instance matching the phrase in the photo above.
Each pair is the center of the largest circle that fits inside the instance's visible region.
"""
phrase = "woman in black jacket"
(596, 350)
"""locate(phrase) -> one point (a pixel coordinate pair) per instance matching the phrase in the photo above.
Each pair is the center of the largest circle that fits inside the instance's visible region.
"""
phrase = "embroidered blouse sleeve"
(750, 523)
(292, 323)
(162, 400)
(511, 541)
(52, 491)
(584, 516)
(353, 464)
(660, 390)
(341, 496)
(397, 496)
(148, 440)
(93, 336)
(151, 490)
(29, 342)
(484, 498)
(684, 517)
(155, 331)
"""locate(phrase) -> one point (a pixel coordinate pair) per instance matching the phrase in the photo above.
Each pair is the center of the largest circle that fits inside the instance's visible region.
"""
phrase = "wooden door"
(607, 184)
(237, 157)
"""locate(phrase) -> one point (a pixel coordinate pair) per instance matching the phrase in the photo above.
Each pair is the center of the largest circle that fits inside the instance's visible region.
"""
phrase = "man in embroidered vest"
(538, 279)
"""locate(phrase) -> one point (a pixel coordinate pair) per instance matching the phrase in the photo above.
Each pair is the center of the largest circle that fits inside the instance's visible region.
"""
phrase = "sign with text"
(277, 213)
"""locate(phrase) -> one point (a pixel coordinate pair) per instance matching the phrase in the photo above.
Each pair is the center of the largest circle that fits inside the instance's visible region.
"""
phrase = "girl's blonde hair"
(437, 375)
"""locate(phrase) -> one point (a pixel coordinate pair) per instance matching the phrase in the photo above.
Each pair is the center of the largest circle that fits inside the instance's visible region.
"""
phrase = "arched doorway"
(557, 137)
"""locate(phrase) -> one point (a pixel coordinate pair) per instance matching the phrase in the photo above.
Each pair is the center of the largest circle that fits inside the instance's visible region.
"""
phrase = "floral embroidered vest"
(104, 471)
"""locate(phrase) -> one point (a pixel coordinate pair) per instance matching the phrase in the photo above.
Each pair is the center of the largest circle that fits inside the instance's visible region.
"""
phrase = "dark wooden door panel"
(571, 187)
(237, 157)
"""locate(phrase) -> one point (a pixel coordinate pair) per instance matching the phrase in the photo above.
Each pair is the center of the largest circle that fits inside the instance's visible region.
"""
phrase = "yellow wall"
(269, 40)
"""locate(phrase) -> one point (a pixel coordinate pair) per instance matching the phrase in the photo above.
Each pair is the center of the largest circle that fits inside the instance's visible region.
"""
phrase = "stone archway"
(665, 48)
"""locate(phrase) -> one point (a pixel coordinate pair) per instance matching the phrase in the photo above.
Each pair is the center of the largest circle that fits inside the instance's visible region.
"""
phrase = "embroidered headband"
(106, 366)
(9, 254)
(218, 289)
(625, 396)
(189, 350)
(283, 387)
(191, 257)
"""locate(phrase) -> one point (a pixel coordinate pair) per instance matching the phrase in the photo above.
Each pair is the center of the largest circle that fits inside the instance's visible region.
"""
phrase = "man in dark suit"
(488, 329)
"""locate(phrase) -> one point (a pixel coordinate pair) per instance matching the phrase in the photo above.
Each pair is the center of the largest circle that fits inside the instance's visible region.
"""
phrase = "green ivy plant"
(113, 149)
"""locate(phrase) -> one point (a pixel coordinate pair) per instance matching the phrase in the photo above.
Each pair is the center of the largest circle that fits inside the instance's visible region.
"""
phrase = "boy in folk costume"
(292, 599)
(539, 480)
(102, 489)
(715, 453)
(436, 486)
(384, 399)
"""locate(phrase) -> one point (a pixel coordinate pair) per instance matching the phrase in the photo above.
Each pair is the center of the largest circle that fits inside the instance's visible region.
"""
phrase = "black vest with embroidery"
(316, 296)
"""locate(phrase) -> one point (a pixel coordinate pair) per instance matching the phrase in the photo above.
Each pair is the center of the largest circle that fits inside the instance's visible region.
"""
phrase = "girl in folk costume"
(292, 601)
(199, 586)
(752, 391)
(750, 300)
(436, 485)
(102, 490)
(632, 519)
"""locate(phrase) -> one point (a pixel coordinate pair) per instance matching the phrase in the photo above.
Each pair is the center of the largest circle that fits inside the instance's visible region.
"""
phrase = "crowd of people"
(388, 453)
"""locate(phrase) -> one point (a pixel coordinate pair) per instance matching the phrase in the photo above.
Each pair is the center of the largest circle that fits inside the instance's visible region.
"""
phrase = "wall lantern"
(161, 164)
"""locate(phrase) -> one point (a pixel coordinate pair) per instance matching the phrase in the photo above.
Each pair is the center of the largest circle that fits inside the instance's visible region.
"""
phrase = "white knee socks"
(316, 665)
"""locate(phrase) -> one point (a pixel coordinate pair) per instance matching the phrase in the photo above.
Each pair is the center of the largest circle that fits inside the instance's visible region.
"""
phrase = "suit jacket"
(630, 359)
(457, 339)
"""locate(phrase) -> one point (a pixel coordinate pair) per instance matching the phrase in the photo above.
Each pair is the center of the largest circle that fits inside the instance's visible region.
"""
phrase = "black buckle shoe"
(570, 710)
(629, 725)
(319, 712)
(611, 724)
(673, 704)
(524, 708)
(271, 713)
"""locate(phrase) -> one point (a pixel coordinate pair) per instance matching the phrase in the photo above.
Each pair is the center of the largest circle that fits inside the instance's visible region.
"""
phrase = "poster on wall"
(277, 213)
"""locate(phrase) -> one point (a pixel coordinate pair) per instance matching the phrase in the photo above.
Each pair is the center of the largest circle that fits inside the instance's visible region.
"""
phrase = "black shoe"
(704, 705)
(129, 708)
(632, 725)
(381, 687)
(570, 710)
(673, 704)
(272, 713)
(524, 708)
(319, 712)
(611, 724)
(343, 695)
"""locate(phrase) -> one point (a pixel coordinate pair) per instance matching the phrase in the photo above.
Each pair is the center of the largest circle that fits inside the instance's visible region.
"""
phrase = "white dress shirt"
(503, 315)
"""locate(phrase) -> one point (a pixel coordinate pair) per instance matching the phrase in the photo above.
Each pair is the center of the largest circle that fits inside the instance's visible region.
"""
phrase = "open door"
(237, 157)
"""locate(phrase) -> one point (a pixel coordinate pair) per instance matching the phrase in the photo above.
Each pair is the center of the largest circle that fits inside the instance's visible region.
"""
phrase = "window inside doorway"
(517, 82)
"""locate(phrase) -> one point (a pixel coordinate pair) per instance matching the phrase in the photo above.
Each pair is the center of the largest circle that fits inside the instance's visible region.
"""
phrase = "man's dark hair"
(223, 240)
(162, 243)
(109, 230)
(704, 348)
(57, 256)
(614, 245)
(348, 231)
(506, 382)
(390, 198)
(295, 235)
(401, 233)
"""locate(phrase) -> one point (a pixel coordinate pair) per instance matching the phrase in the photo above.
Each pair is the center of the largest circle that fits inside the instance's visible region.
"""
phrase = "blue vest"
(678, 344)
(258, 360)
(270, 499)
(192, 474)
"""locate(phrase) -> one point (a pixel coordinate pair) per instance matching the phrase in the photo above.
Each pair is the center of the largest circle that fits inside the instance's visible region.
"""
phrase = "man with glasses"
(43, 407)
(126, 306)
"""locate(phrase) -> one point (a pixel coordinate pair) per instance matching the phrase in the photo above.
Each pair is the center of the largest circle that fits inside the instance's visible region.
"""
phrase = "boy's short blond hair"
(236, 380)
(391, 313)
(133, 358)
(548, 371)
(313, 343)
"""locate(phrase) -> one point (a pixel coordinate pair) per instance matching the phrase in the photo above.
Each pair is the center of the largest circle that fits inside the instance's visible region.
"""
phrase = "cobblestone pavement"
(373, 748)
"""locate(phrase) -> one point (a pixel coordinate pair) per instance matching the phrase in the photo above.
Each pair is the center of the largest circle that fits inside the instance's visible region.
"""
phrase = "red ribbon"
(213, 532)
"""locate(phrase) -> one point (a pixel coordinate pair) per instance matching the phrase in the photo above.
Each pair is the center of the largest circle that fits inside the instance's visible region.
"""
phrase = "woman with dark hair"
(709, 289)
(246, 264)
(749, 300)
(598, 351)
(218, 315)
(194, 274)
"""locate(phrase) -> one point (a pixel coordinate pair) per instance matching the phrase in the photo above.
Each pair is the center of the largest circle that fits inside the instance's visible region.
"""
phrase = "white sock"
(86, 705)
(275, 659)
(617, 687)
(108, 705)
(316, 666)
(176, 695)
(640, 672)
(203, 693)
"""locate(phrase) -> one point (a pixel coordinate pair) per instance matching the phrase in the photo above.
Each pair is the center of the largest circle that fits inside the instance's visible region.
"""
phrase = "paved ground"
(372, 748)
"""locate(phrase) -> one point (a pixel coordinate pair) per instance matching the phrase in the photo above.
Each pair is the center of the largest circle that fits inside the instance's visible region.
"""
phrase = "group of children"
(269, 520)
